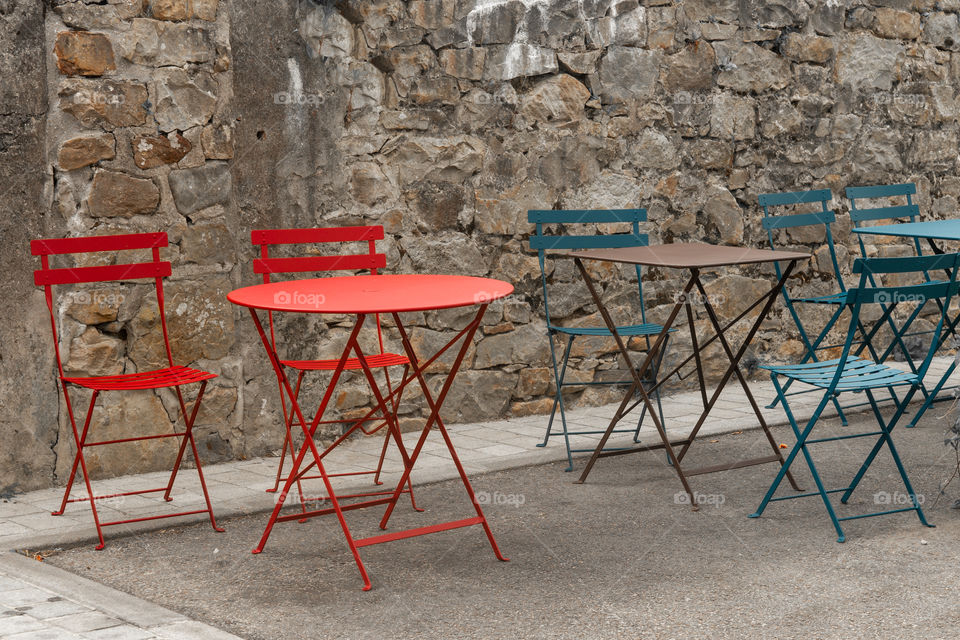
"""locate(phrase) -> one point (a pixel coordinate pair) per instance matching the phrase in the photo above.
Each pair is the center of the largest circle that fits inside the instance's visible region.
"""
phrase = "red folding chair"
(370, 261)
(171, 376)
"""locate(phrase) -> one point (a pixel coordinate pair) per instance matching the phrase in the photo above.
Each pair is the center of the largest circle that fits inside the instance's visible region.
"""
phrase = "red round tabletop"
(371, 294)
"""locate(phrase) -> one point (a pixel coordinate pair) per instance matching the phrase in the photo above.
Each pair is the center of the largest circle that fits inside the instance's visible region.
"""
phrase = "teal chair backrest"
(543, 242)
(908, 211)
(825, 217)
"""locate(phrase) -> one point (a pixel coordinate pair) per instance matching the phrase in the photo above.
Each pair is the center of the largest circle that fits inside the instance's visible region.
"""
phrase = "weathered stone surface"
(83, 152)
(217, 141)
(733, 117)
(894, 23)
(115, 194)
(362, 82)
(80, 53)
(105, 102)
(504, 212)
(369, 185)
(524, 346)
(199, 318)
(477, 395)
(432, 14)
(427, 342)
(752, 68)
(934, 150)
(655, 151)
(628, 73)
(724, 213)
(89, 16)
(202, 187)
(452, 159)
(95, 306)
(580, 63)
(327, 33)
(495, 23)
(878, 151)
(942, 30)
(94, 354)
(156, 151)
(506, 62)
(464, 63)
(867, 62)
(690, 69)
(183, 9)
(426, 90)
(437, 204)
(445, 252)
(780, 118)
(184, 100)
(207, 244)
(163, 44)
(808, 48)
(558, 100)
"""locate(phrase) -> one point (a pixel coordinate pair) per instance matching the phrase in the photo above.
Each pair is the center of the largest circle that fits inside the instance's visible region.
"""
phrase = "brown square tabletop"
(687, 255)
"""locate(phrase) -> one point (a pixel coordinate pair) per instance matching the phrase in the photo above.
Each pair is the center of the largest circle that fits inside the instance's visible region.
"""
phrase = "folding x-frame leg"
(79, 461)
(674, 458)
(288, 417)
(803, 440)
(559, 377)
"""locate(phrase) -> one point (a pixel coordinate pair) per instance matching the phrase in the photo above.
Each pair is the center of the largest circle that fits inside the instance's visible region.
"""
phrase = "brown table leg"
(734, 368)
(637, 384)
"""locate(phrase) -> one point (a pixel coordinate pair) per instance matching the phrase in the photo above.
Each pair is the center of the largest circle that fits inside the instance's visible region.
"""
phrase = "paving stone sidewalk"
(61, 605)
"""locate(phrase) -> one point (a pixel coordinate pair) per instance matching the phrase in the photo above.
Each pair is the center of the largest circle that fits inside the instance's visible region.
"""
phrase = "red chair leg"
(80, 441)
(188, 438)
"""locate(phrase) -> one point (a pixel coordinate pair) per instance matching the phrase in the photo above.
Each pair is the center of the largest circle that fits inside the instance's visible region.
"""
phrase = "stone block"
(115, 194)
(81, 53)
(83, 152)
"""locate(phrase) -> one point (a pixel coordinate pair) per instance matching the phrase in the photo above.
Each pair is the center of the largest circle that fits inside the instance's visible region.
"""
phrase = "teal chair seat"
(857, 374)
(648, 329)
(833, 298)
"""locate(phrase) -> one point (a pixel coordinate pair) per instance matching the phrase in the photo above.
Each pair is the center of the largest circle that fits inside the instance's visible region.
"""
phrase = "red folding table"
(364, 296)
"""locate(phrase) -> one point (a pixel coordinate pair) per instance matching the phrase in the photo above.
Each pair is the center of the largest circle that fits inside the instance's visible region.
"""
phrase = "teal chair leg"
(932, 396)
(885, 438)
(799, 447)
(558, 375)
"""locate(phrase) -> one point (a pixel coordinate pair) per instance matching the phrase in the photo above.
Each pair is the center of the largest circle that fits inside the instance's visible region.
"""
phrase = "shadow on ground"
(616, 557)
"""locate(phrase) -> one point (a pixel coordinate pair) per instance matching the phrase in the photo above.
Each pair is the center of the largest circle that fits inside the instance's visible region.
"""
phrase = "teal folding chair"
(543, 242)
(907, 212)
(772, 223)
(849, 373)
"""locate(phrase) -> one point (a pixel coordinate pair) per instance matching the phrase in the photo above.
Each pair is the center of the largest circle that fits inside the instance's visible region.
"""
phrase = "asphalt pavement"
(622, 556)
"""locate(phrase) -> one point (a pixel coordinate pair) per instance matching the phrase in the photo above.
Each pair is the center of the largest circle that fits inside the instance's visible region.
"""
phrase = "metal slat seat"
(374, 361)
(158, 379)
(857, 374)
(647, 329)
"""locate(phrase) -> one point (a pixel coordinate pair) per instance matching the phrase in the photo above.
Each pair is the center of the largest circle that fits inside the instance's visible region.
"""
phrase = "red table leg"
(309, 444)
(434, 417)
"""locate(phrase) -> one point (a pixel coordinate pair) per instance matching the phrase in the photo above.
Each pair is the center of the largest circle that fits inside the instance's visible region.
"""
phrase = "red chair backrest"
(349, 262)
(47, 277)
(370, 260)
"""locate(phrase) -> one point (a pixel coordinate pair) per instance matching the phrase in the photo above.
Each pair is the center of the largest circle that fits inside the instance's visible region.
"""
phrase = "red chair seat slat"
(375, 361)
(167, 377)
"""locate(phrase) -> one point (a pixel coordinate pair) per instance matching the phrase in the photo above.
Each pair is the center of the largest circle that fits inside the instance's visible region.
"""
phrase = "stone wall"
(444, 121)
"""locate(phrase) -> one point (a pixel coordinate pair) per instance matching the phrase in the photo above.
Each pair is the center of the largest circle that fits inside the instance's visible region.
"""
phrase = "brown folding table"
(693, 257)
